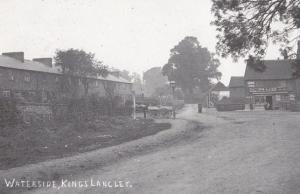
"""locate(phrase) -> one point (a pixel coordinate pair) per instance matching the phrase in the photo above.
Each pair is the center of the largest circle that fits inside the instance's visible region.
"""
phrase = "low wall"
(35, 112)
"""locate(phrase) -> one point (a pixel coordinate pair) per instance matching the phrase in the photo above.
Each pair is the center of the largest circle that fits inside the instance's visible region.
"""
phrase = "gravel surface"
(237, 152)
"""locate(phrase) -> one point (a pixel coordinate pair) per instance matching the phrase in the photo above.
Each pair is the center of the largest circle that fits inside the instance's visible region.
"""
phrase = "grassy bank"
(23, 144)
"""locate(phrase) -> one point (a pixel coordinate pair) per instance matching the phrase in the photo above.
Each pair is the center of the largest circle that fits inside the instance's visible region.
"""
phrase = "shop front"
(271, 98)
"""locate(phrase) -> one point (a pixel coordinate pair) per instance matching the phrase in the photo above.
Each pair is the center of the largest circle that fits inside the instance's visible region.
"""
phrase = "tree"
(153, 79)
(125, 74)
(78, 65)
(110, 88)
(137, 84)
(191, 65)
(247, 26)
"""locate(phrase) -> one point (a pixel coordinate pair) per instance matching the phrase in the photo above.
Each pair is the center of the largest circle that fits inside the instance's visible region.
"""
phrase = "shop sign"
(278, 89)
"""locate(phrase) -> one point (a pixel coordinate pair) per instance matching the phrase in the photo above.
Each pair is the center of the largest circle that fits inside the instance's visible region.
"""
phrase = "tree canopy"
(153, 79)
(191, 65)
(246, 27)
(78, 65)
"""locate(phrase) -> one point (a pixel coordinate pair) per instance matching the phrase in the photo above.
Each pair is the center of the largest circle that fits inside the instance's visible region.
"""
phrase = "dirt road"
(238, 152)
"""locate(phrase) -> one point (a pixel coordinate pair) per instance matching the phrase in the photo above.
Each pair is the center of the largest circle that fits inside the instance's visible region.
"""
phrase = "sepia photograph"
(150, 97)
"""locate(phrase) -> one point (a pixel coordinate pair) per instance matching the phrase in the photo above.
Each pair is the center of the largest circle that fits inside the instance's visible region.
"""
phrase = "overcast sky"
(126, 34)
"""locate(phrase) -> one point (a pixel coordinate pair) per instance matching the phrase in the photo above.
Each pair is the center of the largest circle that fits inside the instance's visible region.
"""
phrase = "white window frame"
(11, 75)
(292, 97)
(27, 77)
(251, 84)
(6, 93)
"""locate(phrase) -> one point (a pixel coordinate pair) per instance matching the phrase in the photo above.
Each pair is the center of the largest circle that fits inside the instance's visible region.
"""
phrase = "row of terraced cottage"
(34, 82)
(273, 88)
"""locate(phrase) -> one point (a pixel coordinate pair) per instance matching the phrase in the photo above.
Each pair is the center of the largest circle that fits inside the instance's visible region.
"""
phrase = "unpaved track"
(240, 152)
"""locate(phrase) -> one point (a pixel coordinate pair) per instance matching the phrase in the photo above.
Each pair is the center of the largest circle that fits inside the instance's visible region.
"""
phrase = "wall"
(37, 80)
(237, 92)
(43, 87)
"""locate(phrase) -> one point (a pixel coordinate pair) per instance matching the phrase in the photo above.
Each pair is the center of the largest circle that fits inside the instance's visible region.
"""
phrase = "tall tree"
(153, 79)
(137, 84)
(77, 66)
(248, 26)
(191, 65)
(125, 74)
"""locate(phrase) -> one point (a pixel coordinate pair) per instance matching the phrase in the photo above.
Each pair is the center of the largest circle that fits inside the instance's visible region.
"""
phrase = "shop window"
(277, 97)
(259, 99)
(284, 97)
(27, 77)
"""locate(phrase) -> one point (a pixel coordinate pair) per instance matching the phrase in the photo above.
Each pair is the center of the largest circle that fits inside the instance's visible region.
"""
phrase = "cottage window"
(56, 79)
(11, 76)
(6, 93)
(282, 83)
(251, 84)
(292, 97)
(27, 77)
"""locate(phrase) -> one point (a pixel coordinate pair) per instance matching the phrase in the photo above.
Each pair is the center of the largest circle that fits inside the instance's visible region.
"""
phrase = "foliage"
(126, 75)
(247, 26)
(110, 88)
(257, 64)
(137, 84)
(9, 114)
(191, 65)
(162, 91)
(78, 65)
(153, 79)
(85, 106)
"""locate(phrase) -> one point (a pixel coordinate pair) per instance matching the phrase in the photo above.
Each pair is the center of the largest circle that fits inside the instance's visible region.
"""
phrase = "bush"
(9, 114)
(90, 107)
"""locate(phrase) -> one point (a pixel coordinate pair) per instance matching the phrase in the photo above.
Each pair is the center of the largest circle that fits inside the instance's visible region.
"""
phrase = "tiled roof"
(28, 65)
(113, 78)
(236, 81)
(275, 69)
(219, 87)
(10, 62)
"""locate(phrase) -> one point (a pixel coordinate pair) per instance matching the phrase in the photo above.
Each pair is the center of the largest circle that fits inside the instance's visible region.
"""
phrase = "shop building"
(273, 88)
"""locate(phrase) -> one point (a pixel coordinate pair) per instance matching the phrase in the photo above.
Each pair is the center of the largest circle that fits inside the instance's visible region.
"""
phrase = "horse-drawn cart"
(160, 112)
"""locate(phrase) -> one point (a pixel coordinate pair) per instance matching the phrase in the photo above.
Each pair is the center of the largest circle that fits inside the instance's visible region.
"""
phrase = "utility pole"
(134, 105)
(173, 85)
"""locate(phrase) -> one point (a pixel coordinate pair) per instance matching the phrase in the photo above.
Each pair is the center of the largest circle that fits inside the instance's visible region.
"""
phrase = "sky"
(125, 34)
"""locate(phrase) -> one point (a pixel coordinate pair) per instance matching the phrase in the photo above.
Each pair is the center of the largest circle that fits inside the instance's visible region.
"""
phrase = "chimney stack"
(45, 61)
(16, 55)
